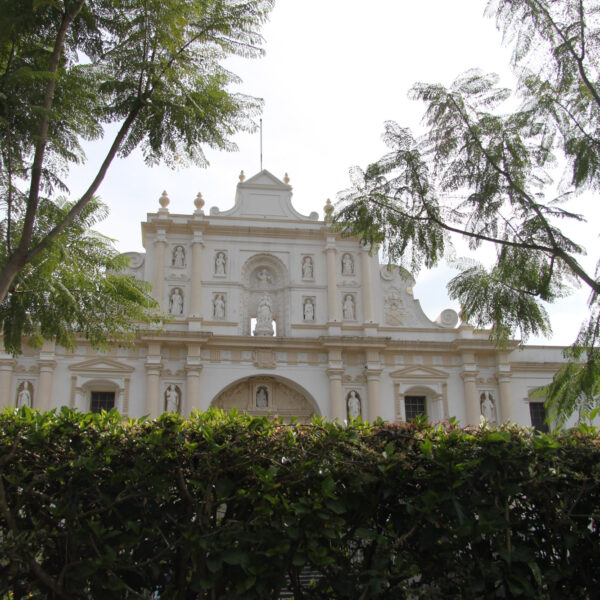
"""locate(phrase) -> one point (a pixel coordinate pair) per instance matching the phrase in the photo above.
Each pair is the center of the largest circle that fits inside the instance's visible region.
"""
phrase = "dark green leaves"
(204, 508)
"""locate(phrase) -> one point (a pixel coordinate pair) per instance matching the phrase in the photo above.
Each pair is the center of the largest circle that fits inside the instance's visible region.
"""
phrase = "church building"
(273, 312)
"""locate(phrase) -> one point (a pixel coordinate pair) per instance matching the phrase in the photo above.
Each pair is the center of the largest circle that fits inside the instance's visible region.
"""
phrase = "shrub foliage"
(227, 506)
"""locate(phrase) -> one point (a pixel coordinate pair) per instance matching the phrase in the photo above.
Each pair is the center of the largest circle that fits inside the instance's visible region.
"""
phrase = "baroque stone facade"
(273, 312)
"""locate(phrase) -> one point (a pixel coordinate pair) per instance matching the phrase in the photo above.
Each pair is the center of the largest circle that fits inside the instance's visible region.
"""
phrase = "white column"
(469, 376)
(367, 286)
(153, 367)
(373, 393)
(333, 311)
(153, 403)
(192, 386)
(373, 371)
(158, 288)
(47, 365)
(472, 409)
(337, 409)
(193, 368)
(196, 284)
(125, 405)
(45, 382)
(505, 400)
(7, 366)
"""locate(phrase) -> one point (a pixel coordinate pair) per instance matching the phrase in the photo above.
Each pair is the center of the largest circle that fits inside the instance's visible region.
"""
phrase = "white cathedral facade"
(273, 312)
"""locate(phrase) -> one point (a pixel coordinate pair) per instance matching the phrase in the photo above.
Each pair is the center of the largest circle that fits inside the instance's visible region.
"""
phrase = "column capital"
(193, 370)
(193, 366)
(503, 372)
(198, 238)
(7, 364)
(153, 363)
(47, 364)
(334, 373)
(469, 374)
(330, 243)
(161, 237)
(373, 373)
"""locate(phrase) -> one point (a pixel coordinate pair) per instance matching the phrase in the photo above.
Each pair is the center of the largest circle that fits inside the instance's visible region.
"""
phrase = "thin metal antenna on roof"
(261, 145)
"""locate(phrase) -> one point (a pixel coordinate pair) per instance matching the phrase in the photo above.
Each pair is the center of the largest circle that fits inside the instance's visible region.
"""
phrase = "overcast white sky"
(335, 70)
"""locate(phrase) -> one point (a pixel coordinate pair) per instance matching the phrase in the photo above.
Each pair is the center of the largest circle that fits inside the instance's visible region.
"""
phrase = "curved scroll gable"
(398, 305)
(264, 195)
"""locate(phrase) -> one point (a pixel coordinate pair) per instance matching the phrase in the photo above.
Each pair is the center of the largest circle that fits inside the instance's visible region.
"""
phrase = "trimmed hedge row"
(225, 506)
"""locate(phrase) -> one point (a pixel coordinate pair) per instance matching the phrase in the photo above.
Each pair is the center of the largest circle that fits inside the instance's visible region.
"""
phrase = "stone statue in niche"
(348, 308)
(262, 397)
(219, 306)
(220, 264)
(172, 399)
(307, 268)
(264, 277)
(176, 302)
(178, 259)
(347, 264)
(25, 394)
(353, 405)
(264, 316)
(309, 310)
(488, 408)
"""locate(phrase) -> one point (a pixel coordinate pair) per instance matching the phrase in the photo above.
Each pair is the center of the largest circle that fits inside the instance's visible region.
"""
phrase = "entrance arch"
(263, 395)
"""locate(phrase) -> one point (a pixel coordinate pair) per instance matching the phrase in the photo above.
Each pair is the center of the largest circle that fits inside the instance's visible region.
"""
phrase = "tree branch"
(578, 59)
(42, 135)
(532, 205)
(578, 126)
(89, 193)
(480, 236)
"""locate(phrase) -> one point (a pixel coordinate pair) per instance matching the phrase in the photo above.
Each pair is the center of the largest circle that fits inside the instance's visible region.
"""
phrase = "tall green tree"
(76, 287)
(487, 173)
(69, 68)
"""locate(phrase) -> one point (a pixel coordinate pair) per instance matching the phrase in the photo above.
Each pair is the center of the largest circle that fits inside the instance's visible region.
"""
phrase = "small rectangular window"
(537, 411)
(102, 401)
(413, 406)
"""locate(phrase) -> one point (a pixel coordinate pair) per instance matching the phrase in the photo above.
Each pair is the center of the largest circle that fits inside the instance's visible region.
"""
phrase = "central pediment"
(101, 365)
(419, 372)
(264, 196)
(265, 179)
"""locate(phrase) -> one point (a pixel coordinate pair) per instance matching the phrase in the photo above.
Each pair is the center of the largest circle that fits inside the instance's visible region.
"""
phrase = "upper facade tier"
(262, 268)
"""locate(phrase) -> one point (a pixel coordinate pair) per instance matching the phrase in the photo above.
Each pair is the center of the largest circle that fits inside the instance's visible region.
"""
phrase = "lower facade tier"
(336, 377)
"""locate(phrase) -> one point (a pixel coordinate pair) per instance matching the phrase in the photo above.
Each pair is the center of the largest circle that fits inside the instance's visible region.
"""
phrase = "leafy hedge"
(224, 506)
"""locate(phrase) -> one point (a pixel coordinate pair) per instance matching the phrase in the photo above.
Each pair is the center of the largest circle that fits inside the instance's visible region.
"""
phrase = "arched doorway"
(263, 395)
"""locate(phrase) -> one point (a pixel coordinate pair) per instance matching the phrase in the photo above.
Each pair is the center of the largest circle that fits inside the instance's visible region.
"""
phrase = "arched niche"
(263, 395)
(262, 274)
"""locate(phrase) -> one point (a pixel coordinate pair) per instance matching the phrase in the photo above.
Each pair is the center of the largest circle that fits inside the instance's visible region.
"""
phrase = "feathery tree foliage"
(75, 287)
(487, 175)
(68, 68)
